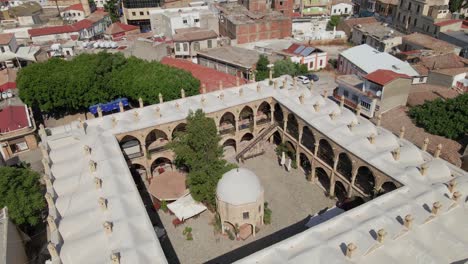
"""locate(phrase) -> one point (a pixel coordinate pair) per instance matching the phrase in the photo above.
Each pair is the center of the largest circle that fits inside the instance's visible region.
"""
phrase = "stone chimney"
(284, 83)
(311, 86)
(451, 186)
(425, 144)
(325, 94)
(436, 208)
(115, 258)
(99, 111)
(220, 85)
(161, 100)
(102, 203)
(294, 82)
(177, 105)
(97, 183)
(342, 102)
(114, 121)
(86, 8)
(381, 235)
(221, 96)
(379, 119)
(203, 100)
(423, 169)
(317, 107)
(158, 112)
(136, 115)
(402, 132)
(140, 102)
(86, 149)
(358, 110)
(241, 92)
(301, 98)
(182, 93)
(438, 150)
(350, 248)
(107, 227)
(351, 125)
(92, 166)
(396, 153)
(408, 221)
(333, 115)
(372, 138)
(121, 107)
(456, 196)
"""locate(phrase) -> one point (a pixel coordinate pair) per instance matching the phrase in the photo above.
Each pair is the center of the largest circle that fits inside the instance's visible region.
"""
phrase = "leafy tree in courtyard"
(20, 191)
(456, 5)
(262, 68)
(198, 148)
(333, 22)
(447, 118)
(288, 67)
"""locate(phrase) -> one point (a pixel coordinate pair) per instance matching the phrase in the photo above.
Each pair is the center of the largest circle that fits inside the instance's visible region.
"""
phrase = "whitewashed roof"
(86, 242)
(369, 59)
(239, 186)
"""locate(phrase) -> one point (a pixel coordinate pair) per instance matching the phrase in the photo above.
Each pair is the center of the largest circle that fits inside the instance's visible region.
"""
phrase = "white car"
(303, 79)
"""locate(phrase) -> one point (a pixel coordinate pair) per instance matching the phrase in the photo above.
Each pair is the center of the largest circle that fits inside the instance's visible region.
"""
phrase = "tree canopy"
(333, 22)
(60, 87)
(198, 148)
(447, 118)
(262, 68)
(287, 67)
(20, 191)
(111, 7)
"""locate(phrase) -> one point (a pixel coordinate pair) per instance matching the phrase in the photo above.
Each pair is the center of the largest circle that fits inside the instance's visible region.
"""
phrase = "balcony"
(244, 124)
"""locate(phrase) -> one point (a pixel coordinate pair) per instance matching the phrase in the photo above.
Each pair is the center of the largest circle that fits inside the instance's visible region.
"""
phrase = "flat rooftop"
(428, 42)
(378, 30)
(234, 55)
(239, 14)
(440, 237)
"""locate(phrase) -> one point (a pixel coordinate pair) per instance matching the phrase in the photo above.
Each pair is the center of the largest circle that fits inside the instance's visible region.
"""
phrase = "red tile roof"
(83, 24)
(8, 85)
(118, 27)
(75, 7)
(6, 38)
(207, 76)
(51, 30)
(383, 77)
(447, 22)
(13, 118)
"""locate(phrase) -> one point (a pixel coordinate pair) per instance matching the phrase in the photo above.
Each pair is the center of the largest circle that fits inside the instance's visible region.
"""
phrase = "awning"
(186, 207)
(169, 186)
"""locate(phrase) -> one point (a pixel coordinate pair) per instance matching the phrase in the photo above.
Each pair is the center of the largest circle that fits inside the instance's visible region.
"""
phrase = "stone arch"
(305, 164)
(325, 152)
(247, 137)
(345, 166)
(155, 139)
(322, 178)
(365, 180)
(227, 121)
(181, 127)
(293, 127)
(230, 142)
(161, 162)
(276, 138)
(388, 187)
(308, 139)
(131, 146)
(278, 113)
(263, 113)
(340, 191)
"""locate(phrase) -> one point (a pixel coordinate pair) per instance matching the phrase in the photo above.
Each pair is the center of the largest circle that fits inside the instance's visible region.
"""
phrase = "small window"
(2, 49)
(345, 93)
(210, 43)
(185, 47)
(184, 21)
(281, 3)
(133, 13)
(196, 46)
(196, 20)
(334, 11)
(245, 215)
(147, 12)
(418, 8)
(321, 62)
(346, 10)
(409, 6)
(142, 13)
(415, 21)
(177, 46)
(259, 208)
(355, 98)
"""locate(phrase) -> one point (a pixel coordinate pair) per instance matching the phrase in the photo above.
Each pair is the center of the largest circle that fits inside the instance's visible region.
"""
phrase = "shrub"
(164, 206)
(266, 214)
(230, 234)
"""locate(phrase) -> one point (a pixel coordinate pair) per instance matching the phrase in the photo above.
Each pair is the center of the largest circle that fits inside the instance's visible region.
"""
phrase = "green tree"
(301, 69)
(284, 67)
(198, 148)
(447, 118)
(60, 87)
(111, 7)
(455, 5)
(21, 192)
(262, 68)
(333, 22)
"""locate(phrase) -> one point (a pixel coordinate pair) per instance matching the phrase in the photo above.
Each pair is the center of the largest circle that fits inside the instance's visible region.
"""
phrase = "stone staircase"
(255, 147)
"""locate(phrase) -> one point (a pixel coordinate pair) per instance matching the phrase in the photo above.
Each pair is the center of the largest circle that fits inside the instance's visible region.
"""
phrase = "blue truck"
(109, 106)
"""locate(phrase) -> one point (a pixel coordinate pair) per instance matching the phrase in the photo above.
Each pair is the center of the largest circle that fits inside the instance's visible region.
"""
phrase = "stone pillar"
(342, 102)
(402, 132)
(451, 186)
(332, 177)
(272, 113)
(161, 100)
(270, 74)
(275, 84)
(284, 83)
(182, 93)
(102, 203)
(317, 107)
(285, 126)
(255, 122)
(456, 196)
(351, 184)
(298, 144)
(115, 258)
(97, 183)
(358, 110)
(107, 227)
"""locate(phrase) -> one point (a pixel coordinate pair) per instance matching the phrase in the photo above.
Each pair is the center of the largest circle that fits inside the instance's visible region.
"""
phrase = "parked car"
(313, 77)
(303, 79)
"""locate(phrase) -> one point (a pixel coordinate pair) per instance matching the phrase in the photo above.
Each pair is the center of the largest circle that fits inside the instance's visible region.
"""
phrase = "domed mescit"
(240, 198)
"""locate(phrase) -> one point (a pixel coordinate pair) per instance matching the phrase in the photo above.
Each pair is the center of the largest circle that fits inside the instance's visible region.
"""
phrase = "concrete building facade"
(187, 42)
(377, 35)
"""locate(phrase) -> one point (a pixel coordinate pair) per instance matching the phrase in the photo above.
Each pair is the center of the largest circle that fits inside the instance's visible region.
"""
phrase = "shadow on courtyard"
(155, 219)
(262, 243)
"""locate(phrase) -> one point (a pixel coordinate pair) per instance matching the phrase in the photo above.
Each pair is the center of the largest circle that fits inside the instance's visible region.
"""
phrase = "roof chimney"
(381, 235)
(160, 98)
(99, 111)
(121, 107)
(92, 166)
(97, 183)
(102, 203)
(425, 144)
(438, 150)
(408, 221)
(52, 251)
(402, 132)
(107, 227)
(115, 257)
(182, 93)
(87, 149)
(140, 102)
(350, 248)
(436, 208)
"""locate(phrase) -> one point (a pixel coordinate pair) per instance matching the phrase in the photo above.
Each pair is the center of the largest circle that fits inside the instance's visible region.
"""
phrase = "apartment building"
(377, 35)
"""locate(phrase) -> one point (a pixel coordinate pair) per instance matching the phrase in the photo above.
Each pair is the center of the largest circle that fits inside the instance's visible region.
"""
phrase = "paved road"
(326, 82)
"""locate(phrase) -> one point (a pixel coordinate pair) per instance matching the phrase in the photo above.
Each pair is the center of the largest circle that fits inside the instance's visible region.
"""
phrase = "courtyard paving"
(291, 198)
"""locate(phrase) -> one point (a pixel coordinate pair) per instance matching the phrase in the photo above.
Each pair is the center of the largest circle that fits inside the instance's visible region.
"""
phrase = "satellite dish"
(379, 93)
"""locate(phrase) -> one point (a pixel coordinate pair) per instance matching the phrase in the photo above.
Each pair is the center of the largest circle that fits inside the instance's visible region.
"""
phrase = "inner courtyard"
(289, 195)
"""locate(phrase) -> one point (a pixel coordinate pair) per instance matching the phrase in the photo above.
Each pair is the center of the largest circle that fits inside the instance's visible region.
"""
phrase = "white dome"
(239, 186)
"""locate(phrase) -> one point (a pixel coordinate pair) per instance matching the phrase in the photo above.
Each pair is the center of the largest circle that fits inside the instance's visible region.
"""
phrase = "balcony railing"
(230, 130)
(156, 149)
(134, 155)
(263, 121)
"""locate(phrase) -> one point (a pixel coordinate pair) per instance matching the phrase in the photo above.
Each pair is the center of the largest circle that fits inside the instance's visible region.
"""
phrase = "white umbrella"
(283, 159)
(289, 165)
